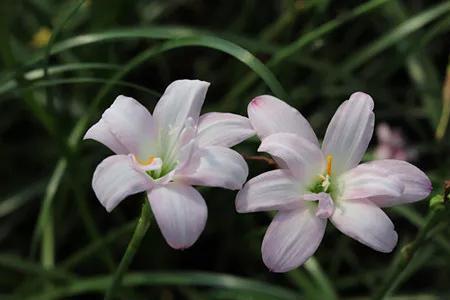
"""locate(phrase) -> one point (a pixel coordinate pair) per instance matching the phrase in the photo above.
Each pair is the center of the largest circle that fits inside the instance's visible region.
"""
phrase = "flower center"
(147, 161)
(323, 192)
(329, 164)
(326, 178)
(151, 165)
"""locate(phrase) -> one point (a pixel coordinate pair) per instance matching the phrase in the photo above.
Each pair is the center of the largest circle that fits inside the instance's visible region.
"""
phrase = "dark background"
(319, 51)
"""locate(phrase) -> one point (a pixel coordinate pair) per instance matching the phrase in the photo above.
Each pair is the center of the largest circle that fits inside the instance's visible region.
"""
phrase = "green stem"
(405, 255)
(141, 228)
(48, 243)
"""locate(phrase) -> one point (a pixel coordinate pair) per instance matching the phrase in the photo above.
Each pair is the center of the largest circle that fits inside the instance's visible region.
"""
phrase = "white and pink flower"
(392, 144)
(316, 184)
(164, 154)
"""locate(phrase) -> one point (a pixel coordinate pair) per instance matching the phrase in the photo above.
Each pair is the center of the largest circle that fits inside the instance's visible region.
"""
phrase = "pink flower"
(315, 184)
(165, 154)
(392, 144)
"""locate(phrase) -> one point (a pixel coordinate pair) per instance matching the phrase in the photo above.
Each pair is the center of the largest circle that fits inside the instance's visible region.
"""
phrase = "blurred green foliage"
(63, 62)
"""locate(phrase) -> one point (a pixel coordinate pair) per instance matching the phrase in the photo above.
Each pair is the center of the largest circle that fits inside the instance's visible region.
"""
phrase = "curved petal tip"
(361, 96)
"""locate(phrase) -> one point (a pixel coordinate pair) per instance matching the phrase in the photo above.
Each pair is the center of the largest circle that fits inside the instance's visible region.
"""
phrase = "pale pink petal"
(273, 190)
(215, 166)
(365, 222)
(132, 124)
(304, 159)
(115, 178)
(153, 164)
(223, 129)
(179, 151)
(101, 133)
(186, 155)
(292, 238)
(384, 133)
(269, 115)
(349, 132)
(384, 151)
(417, 185)
(182, 99)
(180, 212)
(401, 154)
(325, 208)
(365, 181)
(189, 132)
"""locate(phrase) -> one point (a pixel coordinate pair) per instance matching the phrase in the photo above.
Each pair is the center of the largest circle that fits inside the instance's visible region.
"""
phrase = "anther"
(329, 164)
(146, 162)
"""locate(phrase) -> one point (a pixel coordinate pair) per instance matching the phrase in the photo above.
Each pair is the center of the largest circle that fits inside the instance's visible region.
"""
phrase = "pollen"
(146, 162)
(329, 164)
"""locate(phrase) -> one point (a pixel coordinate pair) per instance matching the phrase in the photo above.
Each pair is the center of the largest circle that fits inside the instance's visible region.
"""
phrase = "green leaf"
(212, 280)
(11, 85)
(322, 280)
(13, 202)
(89, 250)
(237, 52)
(18, 264)
(153, 32)
(179, 37)
(395, 35)
(90, 80)
(295, 47)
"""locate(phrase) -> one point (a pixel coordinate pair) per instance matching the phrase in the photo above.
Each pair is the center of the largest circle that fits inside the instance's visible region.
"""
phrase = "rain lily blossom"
(316, 184)
(392, 144)
(166, 153)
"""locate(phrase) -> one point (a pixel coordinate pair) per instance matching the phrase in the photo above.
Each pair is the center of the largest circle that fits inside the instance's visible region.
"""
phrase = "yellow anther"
(146, 162)
(329, 164)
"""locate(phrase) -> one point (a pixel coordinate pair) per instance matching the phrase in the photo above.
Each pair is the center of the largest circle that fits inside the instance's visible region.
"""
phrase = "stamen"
(152, 163)
(329, 164)
(326, 183)
(146, 162)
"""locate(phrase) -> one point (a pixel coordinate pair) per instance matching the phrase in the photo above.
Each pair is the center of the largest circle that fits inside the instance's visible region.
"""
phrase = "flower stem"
(438, 206)
(141, 228)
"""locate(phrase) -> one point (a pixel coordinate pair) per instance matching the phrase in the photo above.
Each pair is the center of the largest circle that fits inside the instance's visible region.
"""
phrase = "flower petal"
(186, 155)
(223, 129)
(349, 132)
(367, 182)
(115, 178)
(273, 190)
(180, 212)
(416, 183)
(292, 237)
(132, 124)
(325, 208)
(101, 133)
(365, 222)
(269, 115)
(304, 159)
(215, 166)
(182, 99)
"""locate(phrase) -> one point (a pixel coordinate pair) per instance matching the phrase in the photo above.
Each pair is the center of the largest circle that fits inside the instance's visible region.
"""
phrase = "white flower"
(165, 154)
(316, 184)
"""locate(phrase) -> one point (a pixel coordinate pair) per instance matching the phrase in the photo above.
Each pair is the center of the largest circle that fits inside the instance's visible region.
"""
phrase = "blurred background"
(63, 62)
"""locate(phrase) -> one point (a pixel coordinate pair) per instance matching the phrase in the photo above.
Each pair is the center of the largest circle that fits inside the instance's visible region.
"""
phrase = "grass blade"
(212, 280)
(395, 35)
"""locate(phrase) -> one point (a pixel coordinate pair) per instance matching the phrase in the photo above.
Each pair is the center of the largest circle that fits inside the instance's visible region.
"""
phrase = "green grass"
(59, 242)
